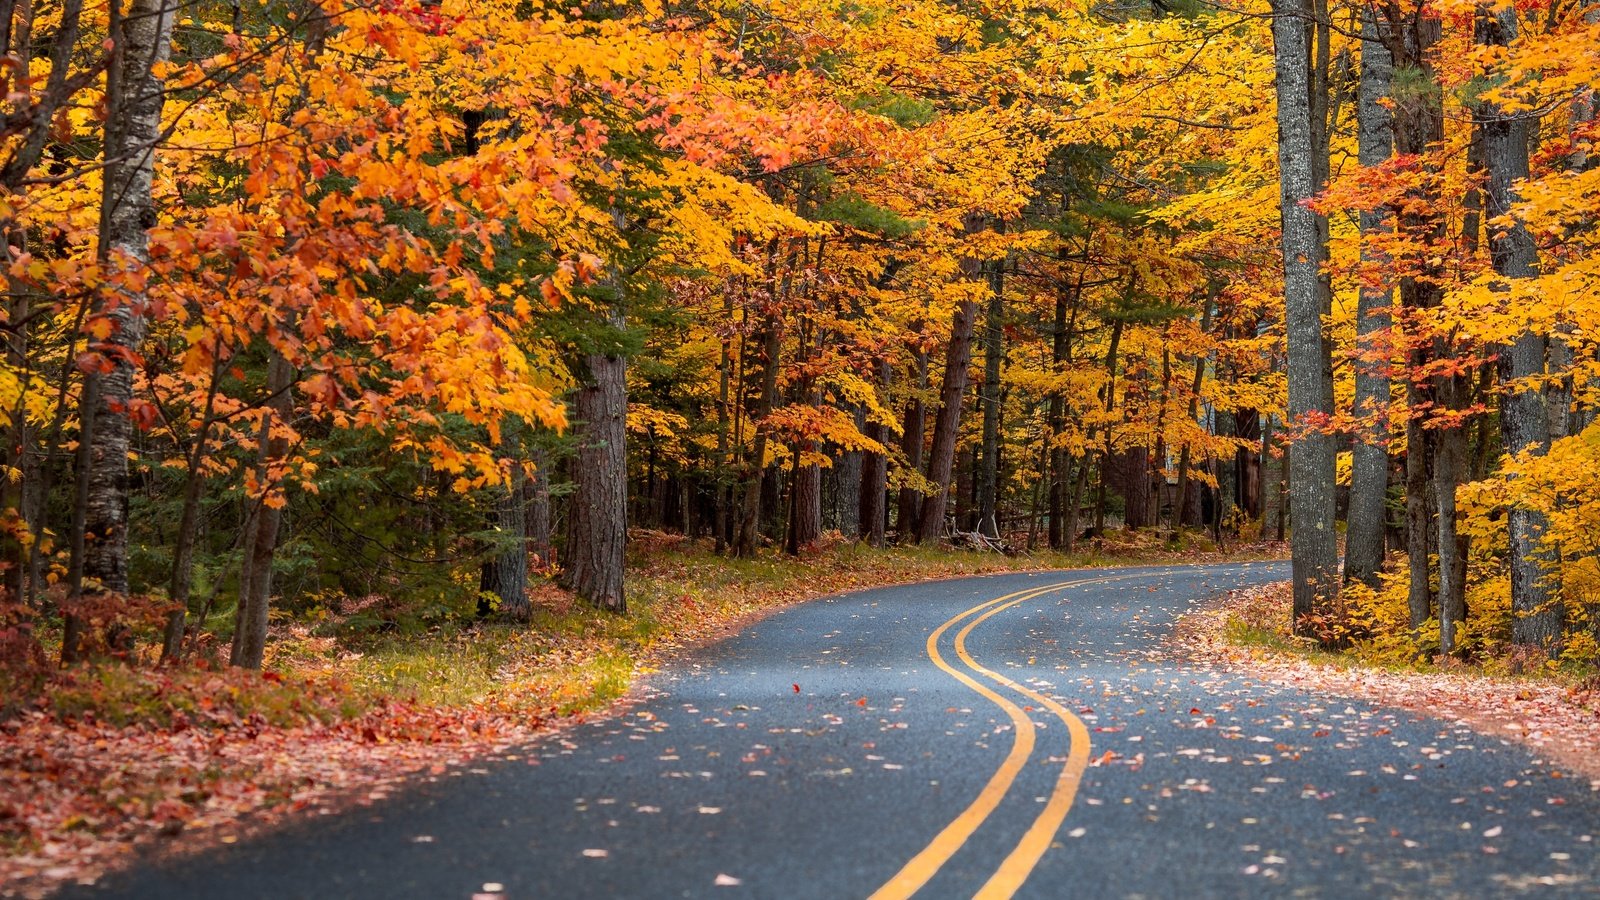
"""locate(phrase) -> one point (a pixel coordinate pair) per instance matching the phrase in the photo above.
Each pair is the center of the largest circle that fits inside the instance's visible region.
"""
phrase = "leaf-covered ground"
(1559, 717)
(110, 761)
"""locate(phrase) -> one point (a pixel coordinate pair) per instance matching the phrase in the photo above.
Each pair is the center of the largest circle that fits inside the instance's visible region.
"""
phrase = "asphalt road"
(825, 752)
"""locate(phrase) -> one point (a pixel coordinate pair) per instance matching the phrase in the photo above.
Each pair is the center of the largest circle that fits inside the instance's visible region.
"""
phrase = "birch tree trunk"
(143, 44)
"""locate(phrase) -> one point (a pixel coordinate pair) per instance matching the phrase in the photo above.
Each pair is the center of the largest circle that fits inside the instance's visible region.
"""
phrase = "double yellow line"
(1021, 861)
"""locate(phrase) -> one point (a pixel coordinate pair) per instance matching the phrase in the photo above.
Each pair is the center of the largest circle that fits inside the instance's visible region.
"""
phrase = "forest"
(427, 303)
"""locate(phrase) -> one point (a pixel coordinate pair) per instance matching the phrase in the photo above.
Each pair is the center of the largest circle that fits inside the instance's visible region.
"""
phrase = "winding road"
(1022, 735)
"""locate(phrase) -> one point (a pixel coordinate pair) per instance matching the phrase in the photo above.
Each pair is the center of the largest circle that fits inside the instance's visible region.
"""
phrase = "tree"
(141, 42)
(1311, 457)
(1369, 477)
(1524, 414)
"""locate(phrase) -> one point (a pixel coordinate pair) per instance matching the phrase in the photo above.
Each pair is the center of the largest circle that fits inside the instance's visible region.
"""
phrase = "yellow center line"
(925, 864)
(1020, 863)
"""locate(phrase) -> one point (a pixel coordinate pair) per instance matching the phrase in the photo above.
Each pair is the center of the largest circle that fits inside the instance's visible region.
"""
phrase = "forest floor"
(1554, 711)
(99, 762)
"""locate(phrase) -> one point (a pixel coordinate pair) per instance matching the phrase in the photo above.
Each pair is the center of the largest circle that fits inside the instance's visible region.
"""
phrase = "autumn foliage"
(357, 316)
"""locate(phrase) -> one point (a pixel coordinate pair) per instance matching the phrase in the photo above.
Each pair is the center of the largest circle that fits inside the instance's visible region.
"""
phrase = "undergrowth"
(338, 658)
(1371, 627)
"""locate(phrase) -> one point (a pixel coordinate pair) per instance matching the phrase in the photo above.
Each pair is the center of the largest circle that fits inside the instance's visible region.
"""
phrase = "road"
(1019, 735)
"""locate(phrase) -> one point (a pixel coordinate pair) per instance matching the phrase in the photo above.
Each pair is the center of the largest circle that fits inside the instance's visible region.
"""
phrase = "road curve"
(1015, 735)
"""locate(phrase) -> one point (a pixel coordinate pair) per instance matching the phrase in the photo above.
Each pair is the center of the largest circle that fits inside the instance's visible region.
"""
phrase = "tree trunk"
(504, 576)
(874, 483)
(724, 378)
(135, 97)
(261, 536)
(536, 493)
(1181, 513)
(1248, 477)
(1369, 475)
(993, 355)
(947, 426)
(1311, 461)
(72, 624)
(847, 486)
(913, 432)
(1418, 124)
(1060, 463)
(749, 524)
(1524, 415)
(965, 472)
(1273, 459)
(1449, 454)
(1419, 597)
(1136, 483)
(873, 502)
(1036, 505)
(188, 529)
(1108, 399)
(597, 532)
(805, 497)
(805, 508)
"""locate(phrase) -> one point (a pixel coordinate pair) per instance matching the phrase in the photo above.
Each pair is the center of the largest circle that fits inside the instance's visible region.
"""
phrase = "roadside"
(1555, 713)
(361, 696)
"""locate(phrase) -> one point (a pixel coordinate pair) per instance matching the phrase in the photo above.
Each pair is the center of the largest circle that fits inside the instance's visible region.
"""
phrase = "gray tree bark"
(748, 527)
(1314, 545)
(1524, 415)
(1419, 124)
(1185, 510)
(504, 576)
(847, 471)
(1059, 461)
(994, 350)
(536, 494)
(872, 505)
(1369, 475)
